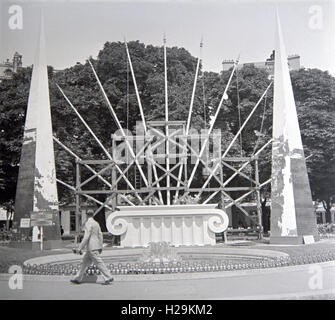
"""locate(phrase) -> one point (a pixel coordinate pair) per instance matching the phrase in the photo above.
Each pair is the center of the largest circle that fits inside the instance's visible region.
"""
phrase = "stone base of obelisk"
(286, 240)
(27, 245)
(36, 245)
(47, 245)
(290, 240)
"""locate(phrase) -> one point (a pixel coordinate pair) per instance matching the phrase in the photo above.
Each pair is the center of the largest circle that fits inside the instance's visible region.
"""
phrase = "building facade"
(7, 68)
(268, 64)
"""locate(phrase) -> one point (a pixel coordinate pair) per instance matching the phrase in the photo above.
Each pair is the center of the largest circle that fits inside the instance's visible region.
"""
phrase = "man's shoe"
(75, 281)
(108, 281)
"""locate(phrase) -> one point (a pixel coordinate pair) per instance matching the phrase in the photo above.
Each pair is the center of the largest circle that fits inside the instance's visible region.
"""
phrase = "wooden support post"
(184, 143)
(114, 194)
(258, 200)
(167, 133)
(78, 211)
(224, 234)
(114, 181)
(167, 159)
(149, 173)
(41, 235)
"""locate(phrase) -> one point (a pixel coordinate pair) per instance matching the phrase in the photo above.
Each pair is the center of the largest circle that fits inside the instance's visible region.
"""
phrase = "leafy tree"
(315, 97)
(13, 102)
(313, 89)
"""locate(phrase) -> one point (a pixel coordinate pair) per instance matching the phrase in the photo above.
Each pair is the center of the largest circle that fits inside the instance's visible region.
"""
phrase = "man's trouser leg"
(87, 261)
(97, 260)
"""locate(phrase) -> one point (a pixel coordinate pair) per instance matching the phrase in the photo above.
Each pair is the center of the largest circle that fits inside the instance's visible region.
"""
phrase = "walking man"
(93, 242)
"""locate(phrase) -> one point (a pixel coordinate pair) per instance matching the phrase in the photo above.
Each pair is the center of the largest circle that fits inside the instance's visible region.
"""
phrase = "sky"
(76, 29)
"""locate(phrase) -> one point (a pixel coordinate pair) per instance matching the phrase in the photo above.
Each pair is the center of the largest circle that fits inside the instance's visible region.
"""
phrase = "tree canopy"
(313, 90)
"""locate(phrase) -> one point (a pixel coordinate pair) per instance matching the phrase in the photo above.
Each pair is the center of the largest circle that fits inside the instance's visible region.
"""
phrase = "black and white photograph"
(167, 154)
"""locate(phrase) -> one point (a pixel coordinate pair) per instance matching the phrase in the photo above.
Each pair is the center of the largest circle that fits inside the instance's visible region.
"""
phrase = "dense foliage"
(313, 89)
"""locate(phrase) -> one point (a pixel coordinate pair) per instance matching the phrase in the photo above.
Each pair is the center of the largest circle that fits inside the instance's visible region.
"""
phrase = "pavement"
(315, 281)
(309, 281)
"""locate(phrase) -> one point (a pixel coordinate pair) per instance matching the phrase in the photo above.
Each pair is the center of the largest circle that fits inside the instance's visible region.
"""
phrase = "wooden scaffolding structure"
(143, 180)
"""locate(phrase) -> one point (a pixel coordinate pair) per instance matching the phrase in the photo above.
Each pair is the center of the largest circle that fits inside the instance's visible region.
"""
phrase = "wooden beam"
(92, 133)
(166, 173)
(85, 195)
(258, 195)
(89, 168)
(163, 123)
(117, 120)
(239, 172)
(78, 178)
(154, 189)
(239, 131)
(96, 161)
(211, 127)
(248, 193)
(95, 175)
(236, 159)
(255, 156)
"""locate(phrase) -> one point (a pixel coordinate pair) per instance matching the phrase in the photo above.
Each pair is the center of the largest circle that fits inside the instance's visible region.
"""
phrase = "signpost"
(308, 239)
(41, 219)
(25, 223)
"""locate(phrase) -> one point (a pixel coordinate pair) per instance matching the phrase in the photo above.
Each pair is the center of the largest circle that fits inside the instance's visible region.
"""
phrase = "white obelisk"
(292, 211)
(36, 187)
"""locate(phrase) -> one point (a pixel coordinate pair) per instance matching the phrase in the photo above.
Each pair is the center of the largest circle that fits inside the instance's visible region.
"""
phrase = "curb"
(176, 276)
(70, 257)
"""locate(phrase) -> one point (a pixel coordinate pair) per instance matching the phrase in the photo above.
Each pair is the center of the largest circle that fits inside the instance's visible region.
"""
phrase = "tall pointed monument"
(36, 187)
(292, 211)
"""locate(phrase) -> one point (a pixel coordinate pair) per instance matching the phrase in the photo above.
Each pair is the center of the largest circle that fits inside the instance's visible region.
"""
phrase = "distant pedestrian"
(14, 227)
(93, 242)
(61, 230)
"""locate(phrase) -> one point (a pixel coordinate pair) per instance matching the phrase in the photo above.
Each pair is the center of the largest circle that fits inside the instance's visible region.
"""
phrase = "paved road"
(279, 283)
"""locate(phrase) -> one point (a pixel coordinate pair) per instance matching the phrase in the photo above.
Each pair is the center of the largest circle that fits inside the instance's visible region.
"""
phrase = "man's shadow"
(89, 278)
(93, 279)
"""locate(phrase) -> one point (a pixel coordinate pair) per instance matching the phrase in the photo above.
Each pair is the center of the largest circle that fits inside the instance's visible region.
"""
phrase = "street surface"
(299, 282)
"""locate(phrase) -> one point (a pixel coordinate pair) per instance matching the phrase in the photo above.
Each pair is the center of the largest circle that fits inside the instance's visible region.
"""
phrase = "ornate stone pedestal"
(178, 225)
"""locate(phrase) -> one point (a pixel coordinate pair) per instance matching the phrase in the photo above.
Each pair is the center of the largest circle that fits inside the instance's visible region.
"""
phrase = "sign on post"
(41, 223)
(24, 223)
(42, 219)
(308, 239)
